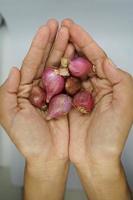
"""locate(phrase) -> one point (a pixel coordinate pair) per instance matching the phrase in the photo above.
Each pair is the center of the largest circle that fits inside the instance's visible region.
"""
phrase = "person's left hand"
(103, 132)
(97, 139)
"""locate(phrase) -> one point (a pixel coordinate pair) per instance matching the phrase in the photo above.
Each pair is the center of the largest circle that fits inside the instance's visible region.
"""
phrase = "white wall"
(109, 22)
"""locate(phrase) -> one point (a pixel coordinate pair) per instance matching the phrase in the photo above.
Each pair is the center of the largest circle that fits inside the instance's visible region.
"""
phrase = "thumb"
(8, 97)
(115, 75)
(122, 83)
(111, 71)
(11, 85)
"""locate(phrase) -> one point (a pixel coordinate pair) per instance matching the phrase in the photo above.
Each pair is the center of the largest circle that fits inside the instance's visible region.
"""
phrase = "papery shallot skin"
(37, 97)
(53, 82)
(72, 85)
(58, 106)
(80, 67)
(83, 101)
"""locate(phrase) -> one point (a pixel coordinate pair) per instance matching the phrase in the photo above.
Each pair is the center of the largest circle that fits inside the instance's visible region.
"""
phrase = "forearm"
(104, 182)
(45, 180)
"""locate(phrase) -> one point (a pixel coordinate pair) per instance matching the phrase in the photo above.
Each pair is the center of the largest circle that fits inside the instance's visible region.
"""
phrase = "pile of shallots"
(62, 88)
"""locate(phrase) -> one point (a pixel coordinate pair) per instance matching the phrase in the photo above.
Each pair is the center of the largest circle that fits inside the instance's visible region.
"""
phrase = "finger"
(59, 47)
(11, 85)
(68, 23)
(8, 95)
(89, 47)
(111, 72)
(68, 55)
(69, 52)
(122, 83)
(34, 58)
(101, 87)
(53, 27)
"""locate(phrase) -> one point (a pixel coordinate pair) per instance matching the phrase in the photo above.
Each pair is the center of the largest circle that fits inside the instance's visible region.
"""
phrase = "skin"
(43, 144)
(99, 137)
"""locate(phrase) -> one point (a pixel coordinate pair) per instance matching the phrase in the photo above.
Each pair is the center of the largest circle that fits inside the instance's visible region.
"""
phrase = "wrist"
(43, 177)
(104, 181)
(40, 169)
(108, 167)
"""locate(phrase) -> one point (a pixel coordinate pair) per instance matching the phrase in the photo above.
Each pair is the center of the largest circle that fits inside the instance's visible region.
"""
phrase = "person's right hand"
(26, 125)
(44, 144)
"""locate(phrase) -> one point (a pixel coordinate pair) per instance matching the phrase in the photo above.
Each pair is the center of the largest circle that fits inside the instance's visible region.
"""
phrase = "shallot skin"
(83, 101)
(53, 82)
(37, 97)
(58, 106)
(80, 67)
(72, 85)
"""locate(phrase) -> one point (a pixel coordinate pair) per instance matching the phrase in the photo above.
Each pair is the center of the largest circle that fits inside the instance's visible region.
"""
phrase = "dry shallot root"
(62, 88)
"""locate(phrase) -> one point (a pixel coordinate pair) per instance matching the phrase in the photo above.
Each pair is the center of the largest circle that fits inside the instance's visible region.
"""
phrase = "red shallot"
(53, 82)
(58, 106)
(37, 97)
(72, 85)
(83, 101)
(80, 67)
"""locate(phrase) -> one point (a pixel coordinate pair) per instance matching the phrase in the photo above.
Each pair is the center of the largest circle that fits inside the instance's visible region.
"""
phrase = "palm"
(26, 125)
(100, 132)
(89, 129)
(35, 136)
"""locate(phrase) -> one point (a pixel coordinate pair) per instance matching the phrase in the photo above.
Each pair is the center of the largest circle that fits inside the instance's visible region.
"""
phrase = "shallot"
(53, 82)
(72, 85)
(83, 101)
(80, 67)
(59, 105)
(37, 97)
(65, 87)
(64, 62)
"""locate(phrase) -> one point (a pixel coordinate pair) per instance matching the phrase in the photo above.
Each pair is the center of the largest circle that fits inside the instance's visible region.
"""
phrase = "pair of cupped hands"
(96, 138)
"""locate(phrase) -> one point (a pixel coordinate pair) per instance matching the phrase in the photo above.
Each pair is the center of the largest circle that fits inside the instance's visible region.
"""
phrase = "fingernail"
(111, 63)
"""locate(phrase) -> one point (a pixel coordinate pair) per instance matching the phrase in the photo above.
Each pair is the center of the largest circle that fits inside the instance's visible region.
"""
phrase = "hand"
(97, 139)
(43, 144)
(26, 125)
(102, 133)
